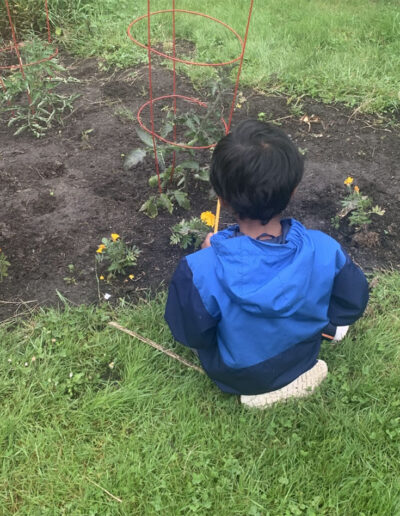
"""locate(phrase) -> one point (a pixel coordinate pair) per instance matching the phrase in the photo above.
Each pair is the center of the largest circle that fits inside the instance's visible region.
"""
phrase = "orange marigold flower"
(101, 248)
(208, 218)
(356, 189)
(349, 180)
(114, 237)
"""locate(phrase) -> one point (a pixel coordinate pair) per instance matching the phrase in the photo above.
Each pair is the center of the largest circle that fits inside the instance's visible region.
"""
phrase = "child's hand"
(207, 242)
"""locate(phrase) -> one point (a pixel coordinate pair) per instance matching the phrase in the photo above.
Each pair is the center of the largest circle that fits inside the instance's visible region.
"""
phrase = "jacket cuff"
(329, 332)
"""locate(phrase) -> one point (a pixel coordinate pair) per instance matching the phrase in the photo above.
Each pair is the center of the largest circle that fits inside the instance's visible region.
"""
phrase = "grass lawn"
(83, 404)
(346, 50)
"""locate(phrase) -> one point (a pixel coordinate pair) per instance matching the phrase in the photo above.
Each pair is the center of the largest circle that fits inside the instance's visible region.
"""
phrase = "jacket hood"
(264, 277)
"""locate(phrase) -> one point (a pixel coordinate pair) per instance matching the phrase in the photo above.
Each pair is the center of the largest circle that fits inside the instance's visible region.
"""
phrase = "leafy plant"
(192, 232)
(205, 129)
(4, 265)
(71, 279)
(196, 130)
(46, 106)
(358, 207)
(117, 254)
(173, 179)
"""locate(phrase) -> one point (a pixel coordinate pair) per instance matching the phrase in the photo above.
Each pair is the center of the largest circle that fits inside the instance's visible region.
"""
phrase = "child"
(257, 299)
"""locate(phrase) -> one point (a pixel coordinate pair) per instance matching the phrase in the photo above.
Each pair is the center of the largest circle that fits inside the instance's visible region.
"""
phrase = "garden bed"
(60, 195)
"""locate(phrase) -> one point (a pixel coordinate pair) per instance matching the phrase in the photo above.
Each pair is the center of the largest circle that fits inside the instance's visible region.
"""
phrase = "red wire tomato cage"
(174, 96)
(13, 50)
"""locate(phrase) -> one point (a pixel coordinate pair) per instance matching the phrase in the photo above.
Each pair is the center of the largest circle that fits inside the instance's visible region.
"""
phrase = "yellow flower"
(101, 277)
(349, 180)
(131, 276)
(101, 248)
(208, 218)
(114, 237)
(356, 189)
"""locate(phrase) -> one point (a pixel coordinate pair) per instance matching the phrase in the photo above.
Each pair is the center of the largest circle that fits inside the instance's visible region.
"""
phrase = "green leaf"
(153, 181)
(182, 199)
(145, 137)
(133, 158)
(166, 129)
(165, 202)
(150, 207)
(203, 174)
(191, 165)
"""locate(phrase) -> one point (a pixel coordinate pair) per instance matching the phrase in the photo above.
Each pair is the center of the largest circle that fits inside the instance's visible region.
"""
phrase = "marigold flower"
(101, 277)
(131, 276)
(101, 248)
(208, 218)
(349, 180)
(356, 189)
(114, 237)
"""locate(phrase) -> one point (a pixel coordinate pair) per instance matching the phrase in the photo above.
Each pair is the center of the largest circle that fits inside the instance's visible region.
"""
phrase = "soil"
(60, 195)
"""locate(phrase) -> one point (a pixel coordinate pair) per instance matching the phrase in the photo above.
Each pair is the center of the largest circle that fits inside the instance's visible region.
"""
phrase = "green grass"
(342, 50)
(164, 440)
(347, 51)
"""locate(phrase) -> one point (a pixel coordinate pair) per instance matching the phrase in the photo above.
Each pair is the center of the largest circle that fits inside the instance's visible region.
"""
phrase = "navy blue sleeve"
(349, 296)
(187, 318)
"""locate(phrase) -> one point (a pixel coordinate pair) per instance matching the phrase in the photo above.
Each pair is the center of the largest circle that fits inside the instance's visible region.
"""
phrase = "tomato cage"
(12, 54)
(176, 102)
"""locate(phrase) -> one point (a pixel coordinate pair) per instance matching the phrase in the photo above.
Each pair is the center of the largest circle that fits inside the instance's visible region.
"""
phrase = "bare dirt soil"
(61, 194)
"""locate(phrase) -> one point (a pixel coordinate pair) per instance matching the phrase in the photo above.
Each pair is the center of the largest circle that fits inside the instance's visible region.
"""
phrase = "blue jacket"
(255, 309)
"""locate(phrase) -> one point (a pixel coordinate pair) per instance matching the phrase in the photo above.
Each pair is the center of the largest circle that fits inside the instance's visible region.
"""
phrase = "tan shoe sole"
(304, 385)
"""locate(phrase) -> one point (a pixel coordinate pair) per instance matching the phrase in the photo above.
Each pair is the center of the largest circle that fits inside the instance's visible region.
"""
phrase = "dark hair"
(255, 169)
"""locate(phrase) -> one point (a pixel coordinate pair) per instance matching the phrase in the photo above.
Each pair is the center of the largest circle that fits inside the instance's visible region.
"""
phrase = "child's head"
(255, 169)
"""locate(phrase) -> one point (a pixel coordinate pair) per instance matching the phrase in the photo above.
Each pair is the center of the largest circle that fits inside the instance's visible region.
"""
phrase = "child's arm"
(189, 321)
(348, 301)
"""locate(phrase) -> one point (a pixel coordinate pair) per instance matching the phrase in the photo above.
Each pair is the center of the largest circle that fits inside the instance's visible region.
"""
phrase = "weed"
(296, 107)
(46, 107)
(85, 139)
(125, 115)
(71, 279)
(117, 254)
(4, 265)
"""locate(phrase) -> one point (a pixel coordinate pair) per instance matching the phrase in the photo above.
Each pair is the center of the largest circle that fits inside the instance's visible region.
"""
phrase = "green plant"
(173, 179)
(71, 279)
(4, 265)
(174, 185)
(358, 207)
(46, 106)
(196, 130)
(206, 128)
(117, 254)
(296, 107)
(192, 232)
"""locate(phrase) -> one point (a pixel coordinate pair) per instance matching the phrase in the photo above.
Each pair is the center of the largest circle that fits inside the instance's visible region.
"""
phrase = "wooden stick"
(105, 490)
(156, 346)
